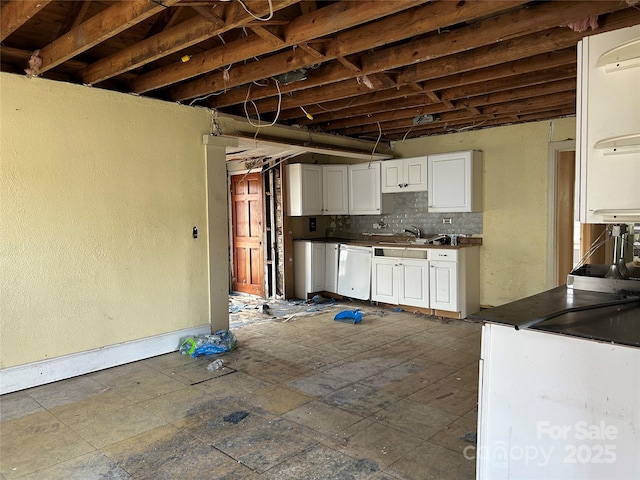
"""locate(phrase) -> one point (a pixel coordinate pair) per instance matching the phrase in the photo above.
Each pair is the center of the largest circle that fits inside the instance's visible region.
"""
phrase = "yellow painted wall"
(513, 261)
(99, 192)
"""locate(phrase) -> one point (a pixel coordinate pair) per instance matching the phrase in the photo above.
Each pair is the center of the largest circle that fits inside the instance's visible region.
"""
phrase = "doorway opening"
(256, 229)
(563, 232)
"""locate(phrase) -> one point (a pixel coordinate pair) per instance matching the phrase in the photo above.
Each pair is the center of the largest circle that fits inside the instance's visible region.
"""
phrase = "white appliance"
(608, 127)
(556, 407)
(308, 267)
(354, 271)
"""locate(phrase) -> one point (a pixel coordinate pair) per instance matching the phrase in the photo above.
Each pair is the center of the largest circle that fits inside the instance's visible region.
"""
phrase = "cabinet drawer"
(446, 255)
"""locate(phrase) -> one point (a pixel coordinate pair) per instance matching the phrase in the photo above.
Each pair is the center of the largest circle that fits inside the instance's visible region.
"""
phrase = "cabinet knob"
(406, 185)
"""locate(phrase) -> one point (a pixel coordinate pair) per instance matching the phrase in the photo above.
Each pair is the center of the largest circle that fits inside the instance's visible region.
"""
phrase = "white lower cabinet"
(402, 281)
(413, 283)
(443, 277)
(384, 279)
(308, 267)
(332, 254)
(454, 280)
(444, 280)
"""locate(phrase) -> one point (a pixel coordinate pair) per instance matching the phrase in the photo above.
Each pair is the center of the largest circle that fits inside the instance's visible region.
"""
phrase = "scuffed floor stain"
(236, 417)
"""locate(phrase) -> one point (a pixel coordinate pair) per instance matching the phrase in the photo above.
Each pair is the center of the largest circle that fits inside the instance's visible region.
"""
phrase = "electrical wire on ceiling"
(205, 97)
(225, 74)
(255, 107)
(407, 134)
(262, 19)
(377, 141)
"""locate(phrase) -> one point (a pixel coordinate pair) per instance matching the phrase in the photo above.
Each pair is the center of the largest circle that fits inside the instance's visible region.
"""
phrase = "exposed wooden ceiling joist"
(371, 66)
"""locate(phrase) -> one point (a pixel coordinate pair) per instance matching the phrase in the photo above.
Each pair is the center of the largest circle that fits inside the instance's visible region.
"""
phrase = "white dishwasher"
(354, 271)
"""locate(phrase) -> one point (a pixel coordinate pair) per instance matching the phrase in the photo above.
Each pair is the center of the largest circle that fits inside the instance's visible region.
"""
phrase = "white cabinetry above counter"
(404, 175)
(335, 189)
(455, 182)
(608, 127)
(304, 192)
(365, 194)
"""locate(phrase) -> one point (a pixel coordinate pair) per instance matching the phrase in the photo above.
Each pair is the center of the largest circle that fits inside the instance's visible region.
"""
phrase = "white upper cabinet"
(304, 189)
(335, 186)
(455, 182)
(404, 175)
(365, 194)
(608, 127)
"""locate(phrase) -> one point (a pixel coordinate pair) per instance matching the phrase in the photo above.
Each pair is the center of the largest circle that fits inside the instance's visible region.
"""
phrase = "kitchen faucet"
(414, 230)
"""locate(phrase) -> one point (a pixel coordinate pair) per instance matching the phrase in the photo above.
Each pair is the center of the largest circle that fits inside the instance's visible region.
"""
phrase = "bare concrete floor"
(310, 398)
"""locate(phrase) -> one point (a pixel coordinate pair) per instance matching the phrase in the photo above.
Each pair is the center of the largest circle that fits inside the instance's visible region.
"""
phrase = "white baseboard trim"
(38, 373)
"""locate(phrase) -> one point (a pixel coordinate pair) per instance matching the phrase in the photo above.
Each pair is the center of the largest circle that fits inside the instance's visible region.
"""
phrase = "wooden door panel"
(248, 255)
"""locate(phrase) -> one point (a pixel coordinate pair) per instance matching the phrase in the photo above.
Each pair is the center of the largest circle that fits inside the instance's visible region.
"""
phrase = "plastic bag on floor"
(350, 316)
(219, 342)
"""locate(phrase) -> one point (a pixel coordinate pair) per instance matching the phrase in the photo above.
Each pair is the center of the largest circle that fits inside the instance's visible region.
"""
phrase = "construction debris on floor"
(393, 397)
(246, 309)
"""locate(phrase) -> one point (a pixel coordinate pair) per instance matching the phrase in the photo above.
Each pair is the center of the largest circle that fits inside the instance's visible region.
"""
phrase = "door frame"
(553, 151)
(230, 217)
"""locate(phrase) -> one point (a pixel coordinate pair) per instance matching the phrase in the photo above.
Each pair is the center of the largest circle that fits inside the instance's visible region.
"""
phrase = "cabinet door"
(384, 282)
(449, 182)
(413, 283)
(415, 174)
(317, 265)
(364, 188)
(335, 187)
(393, 176)
(304, 189)
(608, 134)
(332, 254)
(443, 285)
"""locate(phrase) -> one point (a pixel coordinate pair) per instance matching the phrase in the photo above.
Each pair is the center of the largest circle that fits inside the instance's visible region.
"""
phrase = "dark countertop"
(617, 324)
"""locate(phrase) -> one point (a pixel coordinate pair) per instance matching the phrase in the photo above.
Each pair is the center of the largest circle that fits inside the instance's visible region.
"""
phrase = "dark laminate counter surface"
(617, 324)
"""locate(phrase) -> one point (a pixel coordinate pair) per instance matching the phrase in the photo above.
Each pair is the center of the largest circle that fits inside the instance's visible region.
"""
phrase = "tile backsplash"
(410, 210)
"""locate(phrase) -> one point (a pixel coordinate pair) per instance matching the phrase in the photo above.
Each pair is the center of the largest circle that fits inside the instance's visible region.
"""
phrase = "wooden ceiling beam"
(389, 115)
(209, 14)
(303, 29)
(330, 108)
(314, 52)
(404, 124)
(75, 17)
(106, 24)
(547, 101)
(540, 83)
(516, 93)
(519, 103)
(16, 13)
(172, 40)
(515, 49)
(267, 35)
(349, 64)
(464, 123)
(166, 19)
(400, 26)
(504, 70)
(610, 22)
(445, 45)
(567, 72)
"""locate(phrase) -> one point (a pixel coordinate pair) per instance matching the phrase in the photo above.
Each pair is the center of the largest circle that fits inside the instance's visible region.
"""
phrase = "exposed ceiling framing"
(371, 68)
